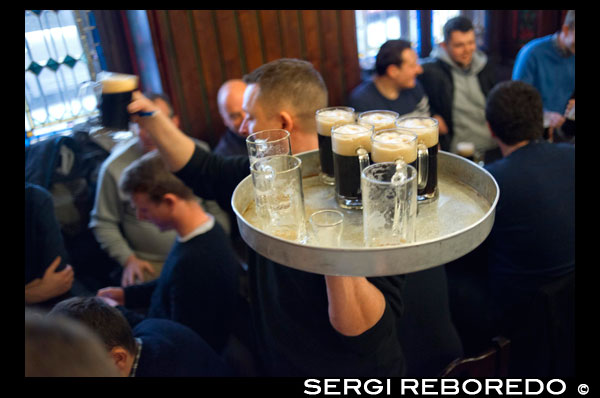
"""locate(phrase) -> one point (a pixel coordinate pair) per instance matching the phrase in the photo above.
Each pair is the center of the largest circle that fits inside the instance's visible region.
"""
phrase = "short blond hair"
(290, 82)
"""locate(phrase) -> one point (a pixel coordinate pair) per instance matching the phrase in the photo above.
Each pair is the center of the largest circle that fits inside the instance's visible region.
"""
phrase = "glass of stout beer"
(350, 144)
(326, 118)
(116, 95)
(427, 132)
(381, 119)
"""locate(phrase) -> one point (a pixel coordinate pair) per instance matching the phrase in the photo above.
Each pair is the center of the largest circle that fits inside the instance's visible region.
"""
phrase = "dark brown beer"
(116, 95)
(347, 142)
(326, 118)
(427, 132)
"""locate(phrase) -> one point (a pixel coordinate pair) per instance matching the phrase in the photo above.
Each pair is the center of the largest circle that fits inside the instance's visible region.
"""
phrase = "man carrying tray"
(306, 324)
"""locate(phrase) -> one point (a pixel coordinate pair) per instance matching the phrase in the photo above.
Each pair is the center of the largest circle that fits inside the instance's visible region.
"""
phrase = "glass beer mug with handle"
(268, 143)
(350, 144)
(279, 197)
(113, 93)
(389, 204)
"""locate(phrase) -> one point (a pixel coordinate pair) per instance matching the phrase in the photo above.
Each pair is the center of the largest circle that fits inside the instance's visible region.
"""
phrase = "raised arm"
(175, 147)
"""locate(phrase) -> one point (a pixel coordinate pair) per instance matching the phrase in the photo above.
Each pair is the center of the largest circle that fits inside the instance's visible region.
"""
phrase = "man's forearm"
(355, 304)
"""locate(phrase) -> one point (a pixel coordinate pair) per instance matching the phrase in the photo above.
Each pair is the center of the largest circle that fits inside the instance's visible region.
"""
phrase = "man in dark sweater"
(394, 86)
(532, 242)
(153, 348)
(306, 324)
(198, 285)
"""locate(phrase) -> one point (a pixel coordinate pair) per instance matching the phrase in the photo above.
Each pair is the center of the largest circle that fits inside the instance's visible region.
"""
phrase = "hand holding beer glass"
(115, 91)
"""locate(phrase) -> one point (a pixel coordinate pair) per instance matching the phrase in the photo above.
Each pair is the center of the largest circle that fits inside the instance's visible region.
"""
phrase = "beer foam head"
(346, 139)
(426, 129)
(380, 119)
(328, 117)
(387, 146)
(119, 83)
(465, 148)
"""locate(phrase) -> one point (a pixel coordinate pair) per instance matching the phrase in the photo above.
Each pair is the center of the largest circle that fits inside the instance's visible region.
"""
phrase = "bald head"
(229, 100)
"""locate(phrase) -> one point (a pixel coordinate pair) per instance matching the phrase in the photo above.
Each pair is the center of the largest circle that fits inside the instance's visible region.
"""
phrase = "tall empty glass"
(279, 197)
(427, 132)
(326, 118)
(268, 143)
(389, 202)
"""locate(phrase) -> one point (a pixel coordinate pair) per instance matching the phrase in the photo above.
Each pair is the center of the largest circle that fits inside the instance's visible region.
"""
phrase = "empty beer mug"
(279, 197)
(389, 196)
(326, 227)
(268, 143)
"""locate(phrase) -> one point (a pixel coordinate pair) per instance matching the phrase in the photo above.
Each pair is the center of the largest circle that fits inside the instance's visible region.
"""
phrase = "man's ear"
(120, 357)
(286, 120)
(169, 199)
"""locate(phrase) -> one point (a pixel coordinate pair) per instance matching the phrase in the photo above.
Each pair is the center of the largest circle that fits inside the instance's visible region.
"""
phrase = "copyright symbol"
(583, 389)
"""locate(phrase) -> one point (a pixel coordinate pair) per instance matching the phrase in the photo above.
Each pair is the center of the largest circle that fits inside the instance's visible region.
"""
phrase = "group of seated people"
(188, 296)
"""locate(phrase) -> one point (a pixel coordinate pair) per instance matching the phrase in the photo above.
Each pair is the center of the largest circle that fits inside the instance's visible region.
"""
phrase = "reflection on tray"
(457, 207)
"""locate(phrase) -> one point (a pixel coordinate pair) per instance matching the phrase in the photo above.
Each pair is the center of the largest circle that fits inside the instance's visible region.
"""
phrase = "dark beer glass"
(350, 144)
(116, 95)
(427, 132)
(380, 119)
(326, 119)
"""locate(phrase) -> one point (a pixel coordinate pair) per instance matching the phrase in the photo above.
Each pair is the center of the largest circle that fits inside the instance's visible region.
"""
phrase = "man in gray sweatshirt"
(457, 78)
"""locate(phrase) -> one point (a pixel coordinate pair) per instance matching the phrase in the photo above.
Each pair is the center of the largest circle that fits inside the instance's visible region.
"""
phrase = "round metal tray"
(447, 229)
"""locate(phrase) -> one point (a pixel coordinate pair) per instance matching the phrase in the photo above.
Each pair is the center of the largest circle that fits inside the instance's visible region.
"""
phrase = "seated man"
(138, 245)
(198, 285)
(48, 276)
(395, 86)
(532, 241)
(229, 100)
(153, 348)
(457, 78)
(548, 64)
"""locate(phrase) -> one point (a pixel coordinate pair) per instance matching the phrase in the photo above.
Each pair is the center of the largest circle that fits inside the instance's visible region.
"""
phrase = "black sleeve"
(214, 177)
(138, 296)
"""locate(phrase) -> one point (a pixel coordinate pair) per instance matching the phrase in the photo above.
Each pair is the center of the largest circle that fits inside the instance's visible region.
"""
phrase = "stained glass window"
(61, 53)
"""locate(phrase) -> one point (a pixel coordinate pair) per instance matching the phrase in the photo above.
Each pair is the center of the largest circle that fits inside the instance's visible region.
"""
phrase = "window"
(438, 19)
(375, 27)
(61, 53)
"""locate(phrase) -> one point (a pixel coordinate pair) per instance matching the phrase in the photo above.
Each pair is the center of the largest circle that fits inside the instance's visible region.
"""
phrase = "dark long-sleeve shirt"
(290, 307)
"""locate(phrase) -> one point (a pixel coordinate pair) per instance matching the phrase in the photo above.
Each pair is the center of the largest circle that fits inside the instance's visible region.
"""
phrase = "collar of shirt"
(138, 345)
(207, 226)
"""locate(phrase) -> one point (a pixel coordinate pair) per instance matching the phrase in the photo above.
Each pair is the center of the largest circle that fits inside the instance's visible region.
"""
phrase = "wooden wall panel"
(197, 50)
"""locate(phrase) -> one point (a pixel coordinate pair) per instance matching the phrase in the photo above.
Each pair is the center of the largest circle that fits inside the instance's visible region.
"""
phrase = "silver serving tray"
(447, 229)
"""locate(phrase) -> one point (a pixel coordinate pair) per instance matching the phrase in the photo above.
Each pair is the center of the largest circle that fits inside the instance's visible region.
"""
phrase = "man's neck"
(190, 217)
(386, 87)
(508, 149)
